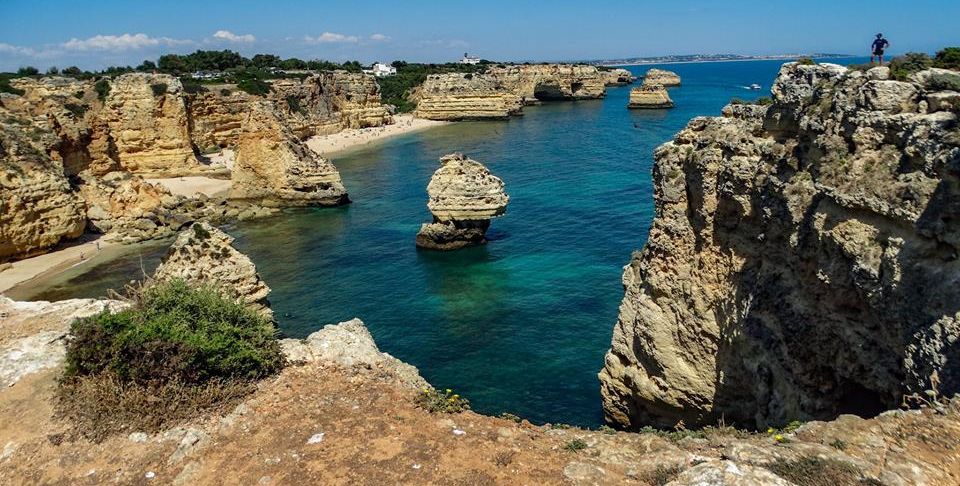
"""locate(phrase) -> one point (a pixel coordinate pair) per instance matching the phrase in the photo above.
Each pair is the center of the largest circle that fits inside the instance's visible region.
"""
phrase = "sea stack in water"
(660, 76)
(649, 96)
(464, 197)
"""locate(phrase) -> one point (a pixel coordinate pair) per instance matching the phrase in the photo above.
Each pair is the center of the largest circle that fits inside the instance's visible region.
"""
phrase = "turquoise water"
(521, 324)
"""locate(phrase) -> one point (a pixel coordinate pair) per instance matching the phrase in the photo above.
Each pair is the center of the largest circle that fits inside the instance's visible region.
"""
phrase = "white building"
(469, 60)
(379, 70)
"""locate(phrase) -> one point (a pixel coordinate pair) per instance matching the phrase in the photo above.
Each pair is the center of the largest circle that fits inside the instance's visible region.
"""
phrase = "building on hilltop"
(379, 70)
(469, 60)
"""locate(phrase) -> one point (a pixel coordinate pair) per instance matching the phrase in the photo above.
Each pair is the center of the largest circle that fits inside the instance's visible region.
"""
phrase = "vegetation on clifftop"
(395, 90)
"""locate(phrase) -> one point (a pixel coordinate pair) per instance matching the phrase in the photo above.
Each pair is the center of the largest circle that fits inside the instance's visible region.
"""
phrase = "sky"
(93, 34)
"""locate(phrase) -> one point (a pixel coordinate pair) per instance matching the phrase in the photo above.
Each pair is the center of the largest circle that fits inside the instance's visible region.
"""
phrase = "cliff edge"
(803, 258)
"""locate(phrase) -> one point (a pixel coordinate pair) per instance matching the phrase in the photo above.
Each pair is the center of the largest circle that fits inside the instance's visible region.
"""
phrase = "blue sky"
(94, 34)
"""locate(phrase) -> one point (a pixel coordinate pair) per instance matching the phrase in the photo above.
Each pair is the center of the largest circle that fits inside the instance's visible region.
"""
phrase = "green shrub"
(943, 82)
(294, 104)
(28, 71)
(192, 86)
(912, 62)
(159, 89)
(948, 58)
(806, 61)
(79, 95)
(575, 445)
(762, 101)
(225, 92)
(102, 87)
(175, 332)
(5, 87)
(76, 110)
(255, 87)
(447, 402)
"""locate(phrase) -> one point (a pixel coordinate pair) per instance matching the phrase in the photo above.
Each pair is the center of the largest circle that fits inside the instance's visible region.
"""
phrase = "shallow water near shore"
(521, 324)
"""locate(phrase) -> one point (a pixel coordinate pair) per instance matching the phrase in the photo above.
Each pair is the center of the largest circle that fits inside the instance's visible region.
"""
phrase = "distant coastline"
(698, 58)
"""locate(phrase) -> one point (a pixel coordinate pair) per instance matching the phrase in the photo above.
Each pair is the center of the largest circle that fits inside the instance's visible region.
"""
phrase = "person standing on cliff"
(876, 50)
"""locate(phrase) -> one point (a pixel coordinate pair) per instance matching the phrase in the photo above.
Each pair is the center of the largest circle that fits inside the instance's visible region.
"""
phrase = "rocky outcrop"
(649, 96)
(618, 77)
(534, 83)
(662, 77)
(275, 168)
(457, 96)
(464, 197)
(148, 121)
(204, 255)
(350, 344)
(216, 118)
(37, 207)
(803, 261)
(330, 102)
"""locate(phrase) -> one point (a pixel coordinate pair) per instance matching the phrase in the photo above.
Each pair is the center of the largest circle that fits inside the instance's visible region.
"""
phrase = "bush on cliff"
(192, 347)
(948, 58)
(912, 62)
(102, 87)
(159, 89)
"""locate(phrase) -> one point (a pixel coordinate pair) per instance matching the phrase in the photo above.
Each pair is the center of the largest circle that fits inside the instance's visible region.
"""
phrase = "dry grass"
(102, 405)
(661, 475)
(813, 471)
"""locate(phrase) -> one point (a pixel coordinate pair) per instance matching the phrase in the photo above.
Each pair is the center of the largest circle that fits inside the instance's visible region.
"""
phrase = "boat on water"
(755, 87)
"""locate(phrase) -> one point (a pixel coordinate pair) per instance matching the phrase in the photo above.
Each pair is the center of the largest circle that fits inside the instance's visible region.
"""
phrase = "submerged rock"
(649, 96)
(203, 255)
(662, 77)
(464, 197)
(803, 261)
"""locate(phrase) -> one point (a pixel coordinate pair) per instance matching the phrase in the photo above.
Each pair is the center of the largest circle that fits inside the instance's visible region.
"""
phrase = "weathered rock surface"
(463, 197)
(618, 77)
(550, 82)
(330, 102)
(661, 77)
(204, 255)
(148, 121)
(649, 96)
(350, 344)
(456, 96)
(276, 168)
(37, 207)
(802, 262)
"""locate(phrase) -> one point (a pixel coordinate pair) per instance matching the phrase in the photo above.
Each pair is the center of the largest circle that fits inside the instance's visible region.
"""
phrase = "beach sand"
(327, 145)
(192, 185)
(41, 267)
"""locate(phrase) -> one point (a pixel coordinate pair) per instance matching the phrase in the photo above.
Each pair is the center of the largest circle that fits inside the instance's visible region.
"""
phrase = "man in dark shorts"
(879, 44)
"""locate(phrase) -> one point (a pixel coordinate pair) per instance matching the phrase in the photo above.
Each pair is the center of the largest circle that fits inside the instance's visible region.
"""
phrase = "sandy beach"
(192, 185)
(327, 145)
(49, 264)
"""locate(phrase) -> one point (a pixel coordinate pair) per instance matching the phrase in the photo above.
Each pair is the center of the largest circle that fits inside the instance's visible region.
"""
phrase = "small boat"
(755, 87)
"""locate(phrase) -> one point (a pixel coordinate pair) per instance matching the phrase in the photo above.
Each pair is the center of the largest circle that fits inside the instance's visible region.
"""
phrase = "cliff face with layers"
(661, 77)
(548, 82)
(649, 96)
(456, 96)
(329, 102)
(618, 77)
(802, 262)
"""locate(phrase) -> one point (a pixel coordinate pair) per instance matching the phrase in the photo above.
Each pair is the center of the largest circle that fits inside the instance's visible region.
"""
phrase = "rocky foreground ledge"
(343, 412)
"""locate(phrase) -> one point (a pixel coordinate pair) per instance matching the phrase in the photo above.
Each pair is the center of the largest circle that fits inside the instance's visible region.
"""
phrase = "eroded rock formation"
(534, 83)
(204, 255)
(649, 96)
(456, 96)
(661, 77)
(275, 168)
(618, 77)
(803, 261)
(464, 197)
(37, 207)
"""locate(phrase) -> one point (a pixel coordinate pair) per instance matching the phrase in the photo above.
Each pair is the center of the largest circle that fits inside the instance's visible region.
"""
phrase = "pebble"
(316, 438)
(459, 432)
(416, 466)
(137, 437)
(150, 475)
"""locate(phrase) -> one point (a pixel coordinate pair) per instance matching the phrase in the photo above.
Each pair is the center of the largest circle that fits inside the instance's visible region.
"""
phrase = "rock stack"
(203, 255)
(668, 79)
(618, 77)
(464, 197)
(649, 96)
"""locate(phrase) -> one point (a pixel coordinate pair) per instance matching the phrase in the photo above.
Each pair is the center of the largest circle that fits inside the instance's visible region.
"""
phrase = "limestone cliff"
(618, 77)
(330, 102)
(204, 255)
(464, 197)
(37, 207)
(803, 258)
(649, 96)
(276, 168)
(548, 82)
(661, 77)
(456, 96)
(147, 117)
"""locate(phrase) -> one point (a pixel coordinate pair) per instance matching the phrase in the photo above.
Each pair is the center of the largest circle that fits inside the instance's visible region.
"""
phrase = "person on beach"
(876, 50)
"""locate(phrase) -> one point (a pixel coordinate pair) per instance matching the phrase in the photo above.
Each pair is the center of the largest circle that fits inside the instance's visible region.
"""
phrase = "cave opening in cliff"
(548, 92)
(859, 400)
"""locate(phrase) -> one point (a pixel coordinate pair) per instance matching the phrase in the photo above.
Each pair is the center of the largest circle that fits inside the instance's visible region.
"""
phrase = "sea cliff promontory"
(457, 96)
(803, 261)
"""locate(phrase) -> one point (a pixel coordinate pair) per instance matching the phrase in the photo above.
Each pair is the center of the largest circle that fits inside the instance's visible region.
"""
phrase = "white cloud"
(231, 37)
(120, 42)
(17, 50)
(379, 38)
(333, 37)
